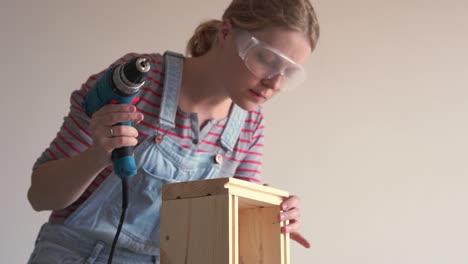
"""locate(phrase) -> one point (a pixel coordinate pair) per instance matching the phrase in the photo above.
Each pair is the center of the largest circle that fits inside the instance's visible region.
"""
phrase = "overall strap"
(174, 63)
(233, 127)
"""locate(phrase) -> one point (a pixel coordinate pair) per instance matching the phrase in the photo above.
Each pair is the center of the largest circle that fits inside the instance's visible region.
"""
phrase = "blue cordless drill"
(120, 85)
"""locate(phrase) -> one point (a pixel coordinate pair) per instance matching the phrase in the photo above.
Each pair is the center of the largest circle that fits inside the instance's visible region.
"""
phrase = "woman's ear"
(225, 29)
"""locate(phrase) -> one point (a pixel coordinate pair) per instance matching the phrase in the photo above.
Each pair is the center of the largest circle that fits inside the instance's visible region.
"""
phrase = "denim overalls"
(87, 234)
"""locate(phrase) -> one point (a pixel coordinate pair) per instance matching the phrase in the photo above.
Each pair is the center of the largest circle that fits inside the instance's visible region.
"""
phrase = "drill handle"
(124, 159)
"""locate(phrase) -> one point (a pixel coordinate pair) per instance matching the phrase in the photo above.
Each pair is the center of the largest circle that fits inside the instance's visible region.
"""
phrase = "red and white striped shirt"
(74, 137)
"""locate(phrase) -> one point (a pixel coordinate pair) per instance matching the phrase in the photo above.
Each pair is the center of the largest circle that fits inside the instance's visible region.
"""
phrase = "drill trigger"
(136, 100)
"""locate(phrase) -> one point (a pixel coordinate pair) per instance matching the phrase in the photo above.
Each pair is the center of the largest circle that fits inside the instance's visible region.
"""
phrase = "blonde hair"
(254, 15)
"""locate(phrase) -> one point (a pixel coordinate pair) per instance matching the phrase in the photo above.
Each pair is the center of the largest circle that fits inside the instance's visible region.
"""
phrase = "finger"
(293, 213)
(115, 118)
(293, 226)
(118, 142)
(292, 201)
(300, 239)
(108, 144)
(122, 131)
(115, 108)
(163, 257)
(114, 131)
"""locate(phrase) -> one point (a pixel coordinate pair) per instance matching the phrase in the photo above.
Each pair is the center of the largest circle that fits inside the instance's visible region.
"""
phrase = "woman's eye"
(290, 71)
(266, 59)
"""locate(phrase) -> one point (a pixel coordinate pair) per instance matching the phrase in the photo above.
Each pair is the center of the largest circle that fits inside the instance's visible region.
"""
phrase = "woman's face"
(249, 90)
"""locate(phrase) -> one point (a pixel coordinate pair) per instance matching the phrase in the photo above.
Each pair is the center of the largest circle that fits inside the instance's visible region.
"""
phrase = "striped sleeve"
(250, 166)
(74, 135)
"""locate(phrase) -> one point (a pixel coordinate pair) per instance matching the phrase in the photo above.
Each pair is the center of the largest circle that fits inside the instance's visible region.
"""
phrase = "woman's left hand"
(290, 211)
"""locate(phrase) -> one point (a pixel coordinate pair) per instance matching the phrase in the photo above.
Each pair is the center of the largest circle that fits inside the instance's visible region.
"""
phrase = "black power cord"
(122, 217)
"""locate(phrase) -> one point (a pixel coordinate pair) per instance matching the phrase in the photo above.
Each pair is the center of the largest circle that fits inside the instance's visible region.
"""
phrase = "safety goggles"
(266, 62)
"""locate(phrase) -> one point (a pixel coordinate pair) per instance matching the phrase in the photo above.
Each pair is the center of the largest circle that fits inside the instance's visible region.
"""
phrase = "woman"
(215, 130)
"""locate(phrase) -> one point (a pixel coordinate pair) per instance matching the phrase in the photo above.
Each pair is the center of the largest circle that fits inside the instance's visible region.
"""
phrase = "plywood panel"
(196, 231)
(260, 236)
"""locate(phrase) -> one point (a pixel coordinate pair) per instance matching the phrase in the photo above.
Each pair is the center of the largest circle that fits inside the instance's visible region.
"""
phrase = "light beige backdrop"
(375, 143)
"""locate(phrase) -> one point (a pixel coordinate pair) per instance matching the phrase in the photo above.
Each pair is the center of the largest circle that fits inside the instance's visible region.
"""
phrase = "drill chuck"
(129, 77)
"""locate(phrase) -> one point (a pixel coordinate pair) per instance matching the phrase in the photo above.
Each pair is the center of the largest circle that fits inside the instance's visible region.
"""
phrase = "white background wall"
(375, 143)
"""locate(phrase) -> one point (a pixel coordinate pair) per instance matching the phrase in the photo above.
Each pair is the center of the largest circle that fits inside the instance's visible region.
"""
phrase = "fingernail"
(284, 207)
(282, 216)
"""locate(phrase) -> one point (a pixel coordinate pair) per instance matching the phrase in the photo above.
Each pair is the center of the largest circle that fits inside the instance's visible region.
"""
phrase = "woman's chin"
(248, 105)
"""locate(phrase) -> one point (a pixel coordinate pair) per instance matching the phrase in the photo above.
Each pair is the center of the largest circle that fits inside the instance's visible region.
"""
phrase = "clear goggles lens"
(266, 62)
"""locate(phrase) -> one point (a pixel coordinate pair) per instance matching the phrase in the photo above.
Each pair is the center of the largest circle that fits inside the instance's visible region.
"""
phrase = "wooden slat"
(234, 234)
(192, 189)
(285, 245)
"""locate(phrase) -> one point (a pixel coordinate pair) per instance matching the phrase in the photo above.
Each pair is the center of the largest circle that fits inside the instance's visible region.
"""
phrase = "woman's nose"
(274, 82)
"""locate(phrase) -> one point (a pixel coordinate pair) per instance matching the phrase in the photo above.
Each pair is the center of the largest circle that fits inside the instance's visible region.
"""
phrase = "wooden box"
(222, 221)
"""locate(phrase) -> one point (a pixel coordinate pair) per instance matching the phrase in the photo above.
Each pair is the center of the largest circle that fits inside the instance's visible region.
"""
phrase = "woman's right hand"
(106, 136)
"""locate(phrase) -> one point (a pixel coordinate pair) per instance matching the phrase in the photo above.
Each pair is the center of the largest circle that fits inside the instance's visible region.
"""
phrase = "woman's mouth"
(257, 96)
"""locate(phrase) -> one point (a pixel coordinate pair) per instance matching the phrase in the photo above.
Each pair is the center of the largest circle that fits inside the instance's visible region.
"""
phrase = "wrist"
(99, 157)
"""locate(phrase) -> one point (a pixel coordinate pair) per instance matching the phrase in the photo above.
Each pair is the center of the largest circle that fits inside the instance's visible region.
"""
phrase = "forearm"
(57, 184)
